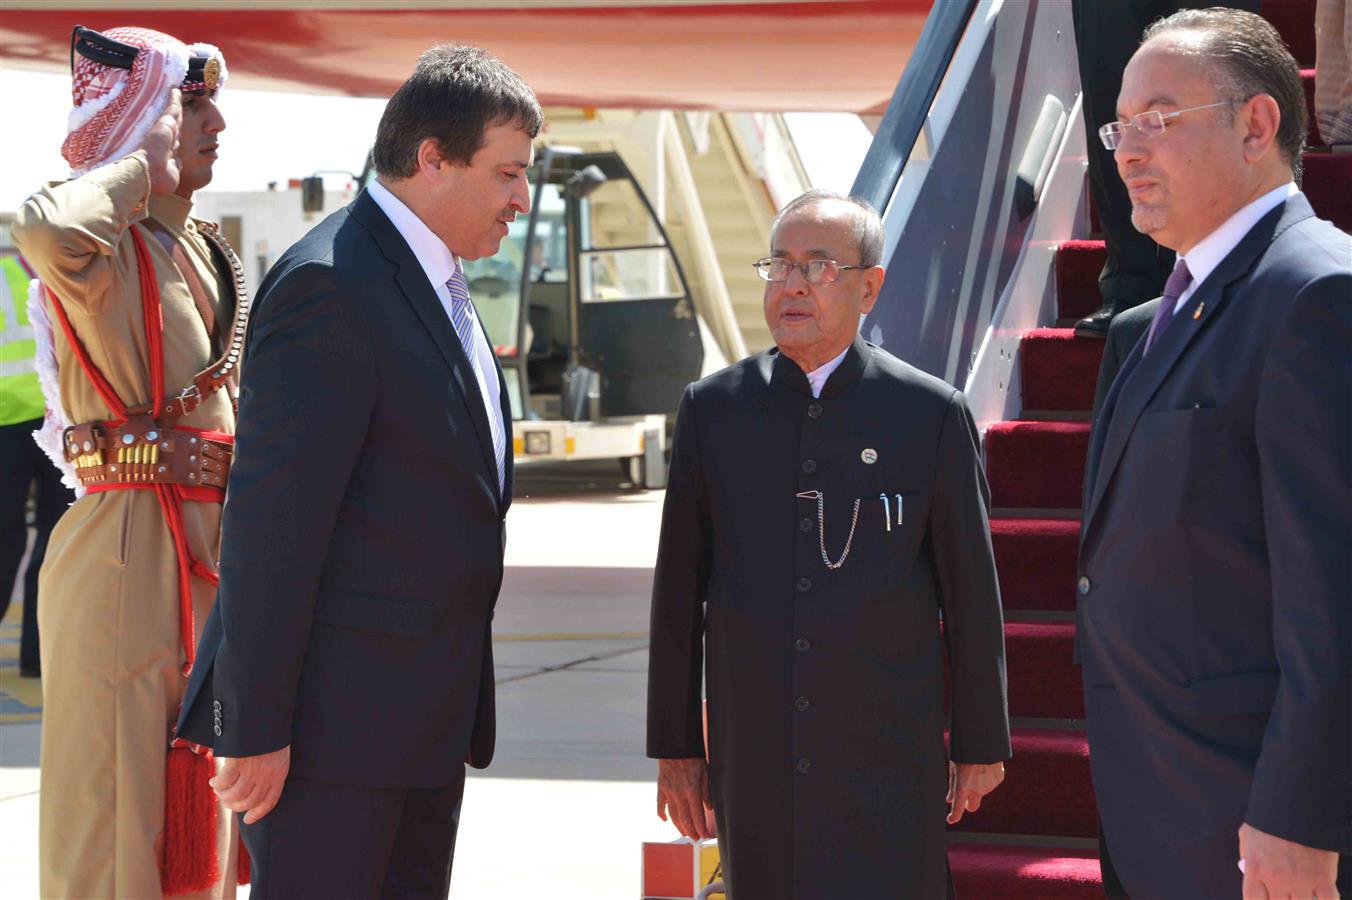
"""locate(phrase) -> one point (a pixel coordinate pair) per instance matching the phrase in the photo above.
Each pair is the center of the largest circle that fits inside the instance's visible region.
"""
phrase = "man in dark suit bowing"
(1214, 622)
(347, 676)
(826, 509)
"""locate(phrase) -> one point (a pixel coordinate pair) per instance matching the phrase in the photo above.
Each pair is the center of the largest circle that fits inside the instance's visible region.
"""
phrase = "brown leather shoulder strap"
(222, 373)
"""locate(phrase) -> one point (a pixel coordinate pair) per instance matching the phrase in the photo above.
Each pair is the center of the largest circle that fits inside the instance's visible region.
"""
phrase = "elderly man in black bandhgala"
(825, 538)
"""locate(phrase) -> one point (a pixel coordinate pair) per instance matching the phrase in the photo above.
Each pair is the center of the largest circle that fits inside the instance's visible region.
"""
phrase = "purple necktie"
(1178, 282)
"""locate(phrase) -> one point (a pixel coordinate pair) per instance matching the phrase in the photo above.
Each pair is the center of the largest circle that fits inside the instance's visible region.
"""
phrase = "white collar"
(1203, 258)
(436, 260)
(816, 379)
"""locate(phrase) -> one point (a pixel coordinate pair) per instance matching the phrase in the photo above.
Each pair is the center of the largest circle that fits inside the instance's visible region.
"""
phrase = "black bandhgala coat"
(826, 687)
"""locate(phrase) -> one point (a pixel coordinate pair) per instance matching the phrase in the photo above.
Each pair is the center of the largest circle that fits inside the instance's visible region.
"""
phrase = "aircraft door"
(636, 320)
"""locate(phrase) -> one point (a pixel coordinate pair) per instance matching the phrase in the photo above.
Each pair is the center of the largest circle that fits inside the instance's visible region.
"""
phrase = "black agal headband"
(204, 72)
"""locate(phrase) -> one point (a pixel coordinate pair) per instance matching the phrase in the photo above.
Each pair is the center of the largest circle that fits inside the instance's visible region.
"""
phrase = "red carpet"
(1294, 20)
(1036, 464)
(1039, 466)
(997, 872)
(1058, 369)
(1043, 682)
(1046, 791)
(1078, 264)
(1328, 184)
(1036, 562)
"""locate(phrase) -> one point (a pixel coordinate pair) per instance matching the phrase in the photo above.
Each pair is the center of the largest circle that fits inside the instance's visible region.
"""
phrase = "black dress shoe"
(1095, 325)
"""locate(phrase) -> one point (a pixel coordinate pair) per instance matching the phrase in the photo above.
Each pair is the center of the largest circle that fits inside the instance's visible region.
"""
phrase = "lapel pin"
(1197, 314)
(869, 456)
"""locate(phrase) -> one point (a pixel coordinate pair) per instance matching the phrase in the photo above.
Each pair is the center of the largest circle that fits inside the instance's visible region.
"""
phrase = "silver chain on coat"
(821, 528)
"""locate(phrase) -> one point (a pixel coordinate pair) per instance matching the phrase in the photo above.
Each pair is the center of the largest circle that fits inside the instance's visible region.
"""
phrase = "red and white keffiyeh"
(115, 108)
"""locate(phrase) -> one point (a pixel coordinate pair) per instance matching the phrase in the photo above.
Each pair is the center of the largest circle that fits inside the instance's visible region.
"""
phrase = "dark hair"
(868, 225)
(454, 95)
(1250, 58)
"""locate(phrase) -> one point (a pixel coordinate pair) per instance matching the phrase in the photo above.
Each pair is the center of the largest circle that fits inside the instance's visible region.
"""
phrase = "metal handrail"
(910, 104)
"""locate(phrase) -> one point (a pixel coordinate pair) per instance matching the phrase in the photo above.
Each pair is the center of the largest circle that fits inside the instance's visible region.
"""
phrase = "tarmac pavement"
(569, 798)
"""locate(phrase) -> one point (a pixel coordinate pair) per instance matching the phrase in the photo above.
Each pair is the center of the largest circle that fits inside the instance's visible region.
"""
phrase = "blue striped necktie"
(462, 319)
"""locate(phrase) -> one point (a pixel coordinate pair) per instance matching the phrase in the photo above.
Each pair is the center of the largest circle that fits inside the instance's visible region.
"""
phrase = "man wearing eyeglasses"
(826, 508)
(1214, 622)
(1106, 34)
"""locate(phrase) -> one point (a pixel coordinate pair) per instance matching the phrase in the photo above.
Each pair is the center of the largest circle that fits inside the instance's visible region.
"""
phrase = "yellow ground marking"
(20, 698)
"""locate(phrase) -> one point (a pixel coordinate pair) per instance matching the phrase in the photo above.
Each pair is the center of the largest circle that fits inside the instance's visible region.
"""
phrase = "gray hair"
(455, 94)
(1248, 58)
(868, 225)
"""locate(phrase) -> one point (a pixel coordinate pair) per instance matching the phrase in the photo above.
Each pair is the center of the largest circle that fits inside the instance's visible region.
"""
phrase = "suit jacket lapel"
(413, 284)
(1140, 379)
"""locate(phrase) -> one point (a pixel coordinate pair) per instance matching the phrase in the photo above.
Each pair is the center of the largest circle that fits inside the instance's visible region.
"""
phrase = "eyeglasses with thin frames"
(1149, 124)
(815, 271)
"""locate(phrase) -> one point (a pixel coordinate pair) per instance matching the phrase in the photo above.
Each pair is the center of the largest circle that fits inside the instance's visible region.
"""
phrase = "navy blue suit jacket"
(362, 543)
(1214, 623)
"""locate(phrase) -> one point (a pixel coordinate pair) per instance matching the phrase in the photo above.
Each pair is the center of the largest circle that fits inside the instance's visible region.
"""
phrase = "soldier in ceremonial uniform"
(137, 346)
(826, 511)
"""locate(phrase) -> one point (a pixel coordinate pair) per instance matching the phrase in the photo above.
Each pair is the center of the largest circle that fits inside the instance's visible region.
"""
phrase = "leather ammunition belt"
(139, 451)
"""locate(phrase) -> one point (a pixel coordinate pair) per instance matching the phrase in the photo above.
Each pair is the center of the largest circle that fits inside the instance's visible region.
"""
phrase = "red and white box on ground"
(680, 870)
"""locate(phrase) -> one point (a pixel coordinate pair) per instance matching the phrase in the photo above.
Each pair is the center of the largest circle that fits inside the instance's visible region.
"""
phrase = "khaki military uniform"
(109, 619)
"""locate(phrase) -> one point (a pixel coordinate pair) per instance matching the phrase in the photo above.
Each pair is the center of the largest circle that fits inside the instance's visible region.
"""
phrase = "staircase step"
(1001, 872)
(1058, 369)
(1078, 264)
(1036, 561)
(1294, 21)
(1047, 789)
(1043, 680)
(1045, 689)
(1328, 185)
(1036, 464)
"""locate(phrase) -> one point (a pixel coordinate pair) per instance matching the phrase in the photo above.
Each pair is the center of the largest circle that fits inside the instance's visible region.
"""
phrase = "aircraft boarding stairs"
(983, 289)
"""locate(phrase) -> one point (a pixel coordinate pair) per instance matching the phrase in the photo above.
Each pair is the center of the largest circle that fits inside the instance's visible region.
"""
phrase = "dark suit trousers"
(334, 841)
(1107, 33)
(23, 465)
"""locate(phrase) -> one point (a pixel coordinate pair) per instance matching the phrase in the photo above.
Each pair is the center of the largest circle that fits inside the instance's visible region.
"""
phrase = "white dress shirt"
(1203, 259)
(438, 263)
(816, 379)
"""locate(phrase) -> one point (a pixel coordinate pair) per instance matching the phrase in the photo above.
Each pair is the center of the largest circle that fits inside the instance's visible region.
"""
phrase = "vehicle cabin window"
(622, 253)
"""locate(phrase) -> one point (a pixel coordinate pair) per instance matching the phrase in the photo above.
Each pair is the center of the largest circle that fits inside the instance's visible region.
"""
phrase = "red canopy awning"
(765, 56)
